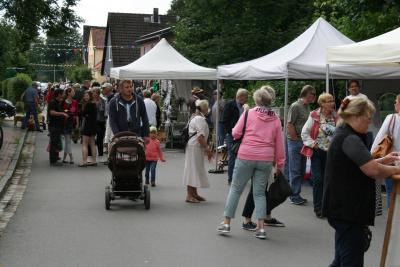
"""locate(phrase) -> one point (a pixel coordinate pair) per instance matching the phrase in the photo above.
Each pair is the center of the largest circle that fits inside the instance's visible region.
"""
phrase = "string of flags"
(83, 48)
(52, 65)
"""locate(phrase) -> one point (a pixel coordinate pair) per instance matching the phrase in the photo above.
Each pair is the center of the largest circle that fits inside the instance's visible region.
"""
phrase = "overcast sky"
(95, 12)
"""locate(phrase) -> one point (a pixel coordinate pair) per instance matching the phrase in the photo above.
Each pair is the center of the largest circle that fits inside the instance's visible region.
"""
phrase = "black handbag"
(278, 191)
(236, 143)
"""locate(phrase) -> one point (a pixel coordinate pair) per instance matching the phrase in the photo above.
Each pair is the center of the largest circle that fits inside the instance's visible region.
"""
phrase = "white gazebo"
(303, 58)
(383, 50)
(163, 62)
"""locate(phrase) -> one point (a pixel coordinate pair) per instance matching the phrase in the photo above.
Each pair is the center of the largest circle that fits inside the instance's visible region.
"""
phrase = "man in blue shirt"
(31, 99)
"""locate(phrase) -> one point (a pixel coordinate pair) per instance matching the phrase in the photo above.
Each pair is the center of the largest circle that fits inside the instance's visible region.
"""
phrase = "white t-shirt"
(151, 109)
(355, 96)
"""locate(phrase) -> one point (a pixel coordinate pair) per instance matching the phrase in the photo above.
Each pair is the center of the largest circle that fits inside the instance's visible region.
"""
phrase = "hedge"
(15, 88)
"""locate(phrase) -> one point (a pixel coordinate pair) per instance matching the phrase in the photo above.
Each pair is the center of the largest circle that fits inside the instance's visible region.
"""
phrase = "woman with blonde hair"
(316, 134)
(391, 125)
(194, 172)
(261, 149)
(349, 185)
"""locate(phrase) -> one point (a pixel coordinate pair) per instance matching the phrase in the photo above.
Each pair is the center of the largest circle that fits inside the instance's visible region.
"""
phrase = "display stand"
(391, 245)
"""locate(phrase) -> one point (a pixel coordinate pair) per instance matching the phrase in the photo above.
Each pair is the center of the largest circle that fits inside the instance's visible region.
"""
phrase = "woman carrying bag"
(261, 148)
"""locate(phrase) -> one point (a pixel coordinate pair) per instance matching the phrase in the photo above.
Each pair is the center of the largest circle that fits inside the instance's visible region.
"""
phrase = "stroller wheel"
(107, 198)
(146, 197)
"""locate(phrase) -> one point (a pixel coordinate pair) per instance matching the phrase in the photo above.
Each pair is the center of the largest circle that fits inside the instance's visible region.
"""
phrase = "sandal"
(83, 165)
(92, 164)
(192, 200)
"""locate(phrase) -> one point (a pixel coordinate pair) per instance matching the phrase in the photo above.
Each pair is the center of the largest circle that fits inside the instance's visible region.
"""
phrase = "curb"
(6, 179)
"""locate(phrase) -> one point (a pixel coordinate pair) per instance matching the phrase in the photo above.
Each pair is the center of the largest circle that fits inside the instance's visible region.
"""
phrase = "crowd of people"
(337, 142)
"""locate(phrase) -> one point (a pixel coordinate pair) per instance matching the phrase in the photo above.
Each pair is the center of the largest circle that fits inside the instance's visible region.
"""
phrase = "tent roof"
(163, 62)
(381, 50)
(303, 58)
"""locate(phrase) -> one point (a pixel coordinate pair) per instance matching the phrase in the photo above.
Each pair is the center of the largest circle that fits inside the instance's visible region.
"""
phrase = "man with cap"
(196, 95)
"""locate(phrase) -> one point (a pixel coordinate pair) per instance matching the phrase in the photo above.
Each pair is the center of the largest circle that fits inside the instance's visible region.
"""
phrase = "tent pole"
(216, 125)
(327, 78)
(285, 109)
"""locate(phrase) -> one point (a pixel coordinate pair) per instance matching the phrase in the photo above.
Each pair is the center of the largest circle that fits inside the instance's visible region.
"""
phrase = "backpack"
(185, 137)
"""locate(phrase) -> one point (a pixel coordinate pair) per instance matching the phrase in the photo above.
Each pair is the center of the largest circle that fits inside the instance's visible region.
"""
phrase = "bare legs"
(88, 141)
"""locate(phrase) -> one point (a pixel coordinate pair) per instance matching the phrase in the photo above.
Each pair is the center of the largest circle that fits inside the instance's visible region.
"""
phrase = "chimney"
(155, 15)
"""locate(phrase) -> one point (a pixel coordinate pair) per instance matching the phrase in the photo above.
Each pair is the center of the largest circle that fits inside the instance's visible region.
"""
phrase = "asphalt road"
(61, 221)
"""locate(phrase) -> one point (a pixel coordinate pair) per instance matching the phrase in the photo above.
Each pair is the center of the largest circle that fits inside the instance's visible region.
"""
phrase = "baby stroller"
(126, 161)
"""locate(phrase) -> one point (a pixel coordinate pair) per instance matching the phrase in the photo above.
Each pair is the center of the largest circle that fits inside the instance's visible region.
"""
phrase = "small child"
(153, 153)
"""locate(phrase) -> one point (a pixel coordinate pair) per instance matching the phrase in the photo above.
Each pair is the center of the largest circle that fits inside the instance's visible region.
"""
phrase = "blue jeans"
(151, 169)
(231, 158)
(31, 110)
(349, 244)
(318, 161)
(243, 172)
(296, 162)
(389, 189)
(221, 133)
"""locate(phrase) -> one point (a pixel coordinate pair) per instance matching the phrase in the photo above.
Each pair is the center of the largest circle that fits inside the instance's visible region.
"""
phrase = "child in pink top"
(153, 153)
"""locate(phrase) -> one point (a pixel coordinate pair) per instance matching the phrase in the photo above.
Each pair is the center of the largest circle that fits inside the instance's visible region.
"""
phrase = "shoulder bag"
(236, 143)
(385, 145)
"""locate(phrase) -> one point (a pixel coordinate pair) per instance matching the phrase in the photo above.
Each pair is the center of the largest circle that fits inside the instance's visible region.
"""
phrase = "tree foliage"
(32, 16)
(79, 74)
(215, 32)
(360, 19)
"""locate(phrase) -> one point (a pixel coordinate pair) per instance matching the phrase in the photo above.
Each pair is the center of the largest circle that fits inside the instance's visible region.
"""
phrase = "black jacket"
(231, 116)
(349, 194)
(139, 123)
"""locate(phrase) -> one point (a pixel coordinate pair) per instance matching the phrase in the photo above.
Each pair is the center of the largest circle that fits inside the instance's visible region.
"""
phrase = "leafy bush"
(4, 90)
(25, 77)
(15, 87)
(79, 74)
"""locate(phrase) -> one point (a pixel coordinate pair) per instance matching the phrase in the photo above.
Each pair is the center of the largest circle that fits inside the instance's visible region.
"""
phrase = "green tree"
(31, 16)
(360, 19)
(79, 73)
(215, 32)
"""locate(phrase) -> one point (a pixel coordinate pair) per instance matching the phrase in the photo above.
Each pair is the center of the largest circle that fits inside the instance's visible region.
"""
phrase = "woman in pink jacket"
(261, 148)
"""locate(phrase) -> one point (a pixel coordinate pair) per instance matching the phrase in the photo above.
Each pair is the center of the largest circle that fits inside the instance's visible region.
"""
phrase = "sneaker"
(304, 199)
(250, 226)
(297, 201)
(274, 223)
(260, 234)
(224, 228)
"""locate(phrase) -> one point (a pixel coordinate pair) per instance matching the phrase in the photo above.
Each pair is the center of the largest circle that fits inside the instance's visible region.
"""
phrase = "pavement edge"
(6, 179)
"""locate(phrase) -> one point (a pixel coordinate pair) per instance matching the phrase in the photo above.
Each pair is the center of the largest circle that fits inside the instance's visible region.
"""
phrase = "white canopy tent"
(163, 62)
(303, 58)
(382, 50)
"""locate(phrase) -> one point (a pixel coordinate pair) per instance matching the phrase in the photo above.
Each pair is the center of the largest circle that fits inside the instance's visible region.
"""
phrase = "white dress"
(194, 172)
